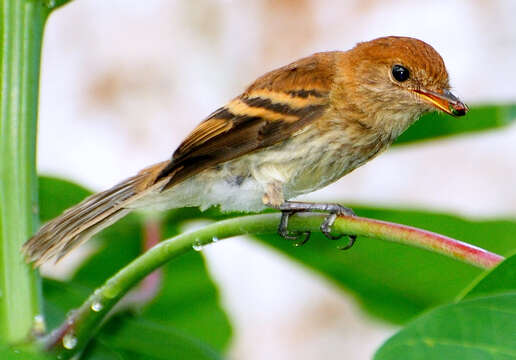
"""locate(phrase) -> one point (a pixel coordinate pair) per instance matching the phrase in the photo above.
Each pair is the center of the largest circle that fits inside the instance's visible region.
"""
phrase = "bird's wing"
(274, 107)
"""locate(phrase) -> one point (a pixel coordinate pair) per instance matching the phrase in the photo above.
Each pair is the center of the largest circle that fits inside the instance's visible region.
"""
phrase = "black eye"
(400, 73)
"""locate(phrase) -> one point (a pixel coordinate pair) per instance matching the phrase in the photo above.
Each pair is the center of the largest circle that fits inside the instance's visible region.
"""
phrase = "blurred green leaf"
(16, 353)
(397, 282)
(189, 301)
(186, 307)
(499, 280)
(483, 328)
(57, 195)
(137, 338)
(479, 118)
(97, 350)
(478, 329)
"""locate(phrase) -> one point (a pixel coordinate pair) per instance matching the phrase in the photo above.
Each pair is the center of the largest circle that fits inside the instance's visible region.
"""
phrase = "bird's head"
(398, 75)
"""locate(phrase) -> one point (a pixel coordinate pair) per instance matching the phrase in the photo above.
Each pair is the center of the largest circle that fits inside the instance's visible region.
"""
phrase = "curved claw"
(328, 223)
(294, 236)
(299, 234)
(285, 234)
(334, 210)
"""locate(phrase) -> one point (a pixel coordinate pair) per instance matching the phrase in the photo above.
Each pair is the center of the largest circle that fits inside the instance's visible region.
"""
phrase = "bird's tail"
(79, 223)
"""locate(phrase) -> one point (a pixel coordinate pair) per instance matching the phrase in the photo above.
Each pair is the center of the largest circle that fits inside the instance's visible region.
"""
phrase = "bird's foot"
(301, 237)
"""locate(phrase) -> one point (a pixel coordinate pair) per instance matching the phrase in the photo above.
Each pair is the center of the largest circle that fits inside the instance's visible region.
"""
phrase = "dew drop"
(69, 341)
(38, 324)
(215, 239)
(97, 306)
(50, 3)
(197, 246)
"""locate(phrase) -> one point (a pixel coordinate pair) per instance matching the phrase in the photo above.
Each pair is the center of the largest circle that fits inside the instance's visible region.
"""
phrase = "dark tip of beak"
(459, 112)
(457, 107)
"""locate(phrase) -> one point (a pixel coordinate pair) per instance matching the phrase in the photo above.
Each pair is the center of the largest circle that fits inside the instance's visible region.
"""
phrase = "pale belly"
(305, 163)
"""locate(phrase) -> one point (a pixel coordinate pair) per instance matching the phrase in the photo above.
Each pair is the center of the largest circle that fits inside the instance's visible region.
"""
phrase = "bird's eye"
(400, 73)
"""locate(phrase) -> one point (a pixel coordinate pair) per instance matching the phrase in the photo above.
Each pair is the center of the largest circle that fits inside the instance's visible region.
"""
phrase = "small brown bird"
(296, 129)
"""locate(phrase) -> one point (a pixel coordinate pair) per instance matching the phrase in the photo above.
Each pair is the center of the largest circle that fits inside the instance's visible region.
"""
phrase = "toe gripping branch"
(301, 237)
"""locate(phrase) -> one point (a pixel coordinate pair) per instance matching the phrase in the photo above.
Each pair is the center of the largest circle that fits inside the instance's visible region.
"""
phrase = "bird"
(292, 131)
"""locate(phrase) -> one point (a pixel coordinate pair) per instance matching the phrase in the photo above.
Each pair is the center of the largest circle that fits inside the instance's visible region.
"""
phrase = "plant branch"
(79, 327)
(21, 32)
(21, 28)
(149, 287)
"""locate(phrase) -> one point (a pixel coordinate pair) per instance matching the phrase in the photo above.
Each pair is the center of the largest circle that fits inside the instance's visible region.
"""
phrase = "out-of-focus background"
(124, 81)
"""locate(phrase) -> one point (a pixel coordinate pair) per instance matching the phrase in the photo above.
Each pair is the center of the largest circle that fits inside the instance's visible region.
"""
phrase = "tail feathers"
(79, 223)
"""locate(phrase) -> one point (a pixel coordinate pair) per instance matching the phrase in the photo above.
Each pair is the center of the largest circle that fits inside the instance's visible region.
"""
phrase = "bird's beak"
(444, 101)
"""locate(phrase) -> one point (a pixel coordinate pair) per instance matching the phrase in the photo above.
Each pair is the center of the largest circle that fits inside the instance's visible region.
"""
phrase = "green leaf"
(397, 282)
(56, 195)
(499, 280)
(138, 338)
(479, 118)
(187, 304)
(477, 329)
(15, 353)
(190, 302)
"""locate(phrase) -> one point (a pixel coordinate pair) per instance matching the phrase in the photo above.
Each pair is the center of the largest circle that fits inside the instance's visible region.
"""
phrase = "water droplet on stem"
(197, 246)
(38, 325)
(97, 306)
(69, 341)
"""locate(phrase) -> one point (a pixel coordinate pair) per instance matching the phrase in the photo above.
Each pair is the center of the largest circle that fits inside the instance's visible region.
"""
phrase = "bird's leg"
(290, 207)
(273, 198)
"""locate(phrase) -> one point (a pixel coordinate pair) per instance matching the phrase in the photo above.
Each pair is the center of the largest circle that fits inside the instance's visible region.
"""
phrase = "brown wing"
(273, 108)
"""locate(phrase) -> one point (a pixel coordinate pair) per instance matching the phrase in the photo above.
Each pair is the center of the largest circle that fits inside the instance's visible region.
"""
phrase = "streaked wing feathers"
(273, 108)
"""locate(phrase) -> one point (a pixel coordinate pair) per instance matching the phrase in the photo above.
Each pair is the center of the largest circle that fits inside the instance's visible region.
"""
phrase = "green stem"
(21, 29)
(54, 4)
(81, 325)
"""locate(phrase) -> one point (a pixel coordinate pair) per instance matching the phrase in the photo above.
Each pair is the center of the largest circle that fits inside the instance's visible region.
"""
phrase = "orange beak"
(444, 101)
